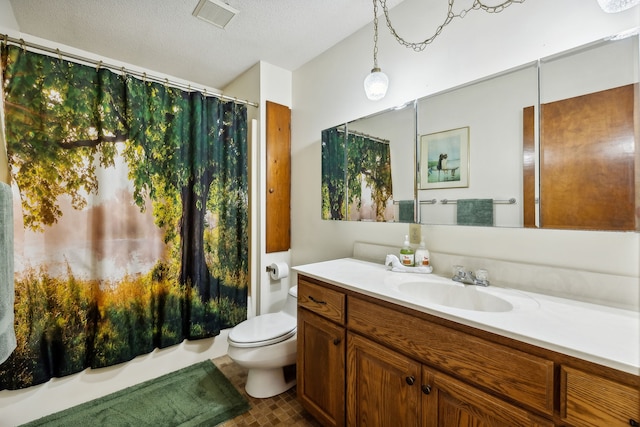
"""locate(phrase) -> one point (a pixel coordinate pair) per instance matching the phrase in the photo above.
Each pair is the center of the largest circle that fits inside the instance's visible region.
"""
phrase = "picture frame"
(444, 159)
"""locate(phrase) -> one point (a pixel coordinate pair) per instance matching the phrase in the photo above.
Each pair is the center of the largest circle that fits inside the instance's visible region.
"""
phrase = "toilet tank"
(291, 304)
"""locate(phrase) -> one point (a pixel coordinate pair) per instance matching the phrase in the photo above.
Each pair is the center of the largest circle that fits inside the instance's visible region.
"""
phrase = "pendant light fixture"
(376, 83)
(614, 6)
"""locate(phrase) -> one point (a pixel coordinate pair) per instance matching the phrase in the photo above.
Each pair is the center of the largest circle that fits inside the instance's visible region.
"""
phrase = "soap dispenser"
(406, 253)
(422, 255)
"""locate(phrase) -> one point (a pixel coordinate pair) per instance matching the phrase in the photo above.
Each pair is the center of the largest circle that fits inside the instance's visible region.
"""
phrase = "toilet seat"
(266, 329)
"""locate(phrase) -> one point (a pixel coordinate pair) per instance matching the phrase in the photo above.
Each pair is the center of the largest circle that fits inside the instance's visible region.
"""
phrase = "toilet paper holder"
(278, 270)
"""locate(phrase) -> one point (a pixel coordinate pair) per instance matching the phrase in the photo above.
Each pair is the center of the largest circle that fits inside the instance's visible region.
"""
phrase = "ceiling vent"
(215, 12)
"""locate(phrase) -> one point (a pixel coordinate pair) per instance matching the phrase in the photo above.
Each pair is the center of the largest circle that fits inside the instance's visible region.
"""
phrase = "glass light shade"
(376, 84)
(613, 6)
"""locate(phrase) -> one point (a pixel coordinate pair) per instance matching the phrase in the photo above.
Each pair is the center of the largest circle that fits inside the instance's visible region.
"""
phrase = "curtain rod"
(371, 137)
(100, 64)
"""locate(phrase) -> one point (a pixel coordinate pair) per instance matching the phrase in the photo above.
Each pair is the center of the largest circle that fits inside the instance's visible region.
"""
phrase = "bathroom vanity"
(377, 347)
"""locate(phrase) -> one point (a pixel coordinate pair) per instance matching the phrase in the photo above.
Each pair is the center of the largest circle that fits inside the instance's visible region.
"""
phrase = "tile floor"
(281, 410)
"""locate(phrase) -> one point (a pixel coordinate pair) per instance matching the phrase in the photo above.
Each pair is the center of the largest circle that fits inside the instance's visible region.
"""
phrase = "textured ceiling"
(164, 36)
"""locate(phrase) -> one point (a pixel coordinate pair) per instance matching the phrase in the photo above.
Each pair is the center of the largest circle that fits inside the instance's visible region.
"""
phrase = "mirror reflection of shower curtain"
(132, 231)
(334, 178)
(356, 177)
(370, 189)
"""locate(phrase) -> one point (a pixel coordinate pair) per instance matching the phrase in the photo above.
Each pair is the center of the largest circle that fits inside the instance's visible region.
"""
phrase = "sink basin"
(455, 296)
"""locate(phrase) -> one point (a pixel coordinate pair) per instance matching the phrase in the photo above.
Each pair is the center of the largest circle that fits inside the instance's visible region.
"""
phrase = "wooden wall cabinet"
(404, 368)
(278, 176)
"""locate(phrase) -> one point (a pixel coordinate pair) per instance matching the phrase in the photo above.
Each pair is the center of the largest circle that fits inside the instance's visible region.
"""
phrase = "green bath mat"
(198, 395)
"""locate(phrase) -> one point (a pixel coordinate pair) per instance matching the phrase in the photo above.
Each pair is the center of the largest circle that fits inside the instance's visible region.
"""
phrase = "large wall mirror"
(551, 144)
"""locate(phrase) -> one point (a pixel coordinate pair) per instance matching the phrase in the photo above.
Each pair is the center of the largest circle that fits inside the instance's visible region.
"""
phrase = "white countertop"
(600, 334)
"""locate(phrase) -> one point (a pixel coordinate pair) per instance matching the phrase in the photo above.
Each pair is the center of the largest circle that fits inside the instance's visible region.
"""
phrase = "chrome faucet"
(480, 278)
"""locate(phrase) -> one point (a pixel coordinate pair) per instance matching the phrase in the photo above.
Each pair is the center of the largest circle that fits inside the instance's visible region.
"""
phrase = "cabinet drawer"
(509, 372)
(590, 400)
(325, 302)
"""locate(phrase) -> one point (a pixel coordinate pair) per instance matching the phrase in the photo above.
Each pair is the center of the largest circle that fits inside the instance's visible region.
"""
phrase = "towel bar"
(510, 201)
(428, 202)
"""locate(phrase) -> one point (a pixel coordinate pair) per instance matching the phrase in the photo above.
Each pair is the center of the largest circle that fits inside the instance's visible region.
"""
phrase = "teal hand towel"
(475, 212)
(405, 211)
(7, 332)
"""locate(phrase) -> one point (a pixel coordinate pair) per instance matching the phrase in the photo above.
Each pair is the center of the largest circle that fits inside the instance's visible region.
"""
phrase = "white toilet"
(266, 345)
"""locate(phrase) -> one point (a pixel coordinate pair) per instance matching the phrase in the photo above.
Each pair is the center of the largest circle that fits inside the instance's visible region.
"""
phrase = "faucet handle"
(482, 274)
(482, 277)
(459, 272)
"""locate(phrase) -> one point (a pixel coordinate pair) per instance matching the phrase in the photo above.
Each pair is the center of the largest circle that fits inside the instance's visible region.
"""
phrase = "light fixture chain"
(375, 33)
(420, 46)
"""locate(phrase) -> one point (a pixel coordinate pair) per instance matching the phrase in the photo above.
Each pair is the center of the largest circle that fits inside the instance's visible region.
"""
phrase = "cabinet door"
(591, 400)
(451, 403)
(321, 368)
(383, 387)
(278, 204)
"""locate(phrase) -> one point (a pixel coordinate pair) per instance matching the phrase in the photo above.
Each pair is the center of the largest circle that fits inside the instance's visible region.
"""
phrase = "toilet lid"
(263, 330)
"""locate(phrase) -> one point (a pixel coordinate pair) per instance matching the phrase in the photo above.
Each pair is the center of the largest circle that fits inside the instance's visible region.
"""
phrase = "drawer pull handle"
(633, 422)
(317, 301)
(410, 380)
(426, 388)
(337, 341)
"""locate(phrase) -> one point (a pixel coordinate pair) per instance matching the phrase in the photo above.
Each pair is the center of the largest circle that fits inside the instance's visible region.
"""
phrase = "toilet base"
(262, 383)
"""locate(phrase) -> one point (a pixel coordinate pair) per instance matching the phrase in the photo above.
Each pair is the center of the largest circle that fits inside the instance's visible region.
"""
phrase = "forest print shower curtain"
(131, 216)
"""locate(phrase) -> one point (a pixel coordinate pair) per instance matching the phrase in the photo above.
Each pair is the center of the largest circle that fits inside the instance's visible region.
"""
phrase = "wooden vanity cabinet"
(321, 352)
(509, 373)
(400, 367)
(386, 388)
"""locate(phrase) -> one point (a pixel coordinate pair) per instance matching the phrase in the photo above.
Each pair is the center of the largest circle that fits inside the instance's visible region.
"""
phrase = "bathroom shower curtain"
(131, 219)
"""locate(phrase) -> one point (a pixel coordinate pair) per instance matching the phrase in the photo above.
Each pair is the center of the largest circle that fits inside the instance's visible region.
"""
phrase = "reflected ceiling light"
(376, 83)
(625, 34)
(613, 6)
